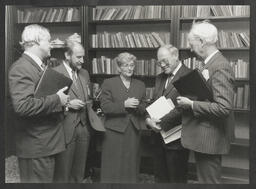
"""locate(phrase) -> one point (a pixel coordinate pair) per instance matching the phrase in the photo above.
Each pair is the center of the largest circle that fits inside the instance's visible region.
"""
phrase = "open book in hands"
(158, 110)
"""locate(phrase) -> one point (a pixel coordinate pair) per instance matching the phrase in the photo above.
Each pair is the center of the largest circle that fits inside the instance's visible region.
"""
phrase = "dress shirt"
(69, 70)
(171, 76)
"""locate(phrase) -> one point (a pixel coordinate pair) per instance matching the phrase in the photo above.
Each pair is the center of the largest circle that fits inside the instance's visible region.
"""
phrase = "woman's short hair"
(204, 30)
(33, 34)
(124, 57)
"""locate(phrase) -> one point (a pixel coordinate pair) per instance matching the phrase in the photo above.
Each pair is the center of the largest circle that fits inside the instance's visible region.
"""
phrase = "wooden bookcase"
(236, 164)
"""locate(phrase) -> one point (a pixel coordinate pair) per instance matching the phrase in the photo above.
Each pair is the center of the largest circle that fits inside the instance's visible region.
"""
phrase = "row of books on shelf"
(215, 10)
(241, 97)
(130, 40)
(225, 39)
(131, 12)
(104, 65)
(239, 66)
(66, 14)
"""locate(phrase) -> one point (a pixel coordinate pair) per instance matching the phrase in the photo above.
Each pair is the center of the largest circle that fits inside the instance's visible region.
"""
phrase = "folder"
(51, 82)
(193, 84)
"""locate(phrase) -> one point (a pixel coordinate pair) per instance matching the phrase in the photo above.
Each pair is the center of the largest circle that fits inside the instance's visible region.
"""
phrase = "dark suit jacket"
(73, 117)
(174, 117)
(112, 100)
(209, 127)
(39, 130)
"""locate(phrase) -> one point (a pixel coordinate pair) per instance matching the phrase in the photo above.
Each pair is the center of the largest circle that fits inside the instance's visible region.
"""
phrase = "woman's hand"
(131, 103)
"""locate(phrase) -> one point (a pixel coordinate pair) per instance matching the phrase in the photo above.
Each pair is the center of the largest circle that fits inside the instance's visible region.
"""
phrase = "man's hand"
(76, 104)
(64, 99)
(184, 102)
(154, 124)
(131, 103)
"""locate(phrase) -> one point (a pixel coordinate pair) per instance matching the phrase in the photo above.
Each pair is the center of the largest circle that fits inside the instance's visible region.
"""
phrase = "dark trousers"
(37, 170)
(70, 164)
(170, 165)
(208, 168)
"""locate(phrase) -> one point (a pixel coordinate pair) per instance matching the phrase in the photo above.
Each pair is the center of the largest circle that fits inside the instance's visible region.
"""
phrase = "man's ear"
(67, 56)
(202, 41)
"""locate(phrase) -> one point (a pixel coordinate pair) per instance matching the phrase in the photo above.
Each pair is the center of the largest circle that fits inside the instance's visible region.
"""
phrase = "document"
(194, 84)
(171, 135)
(159, 109)
(50, 82)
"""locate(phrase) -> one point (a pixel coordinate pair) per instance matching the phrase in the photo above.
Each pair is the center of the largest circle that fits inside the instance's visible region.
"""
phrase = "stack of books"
(131, 12)
(130, 40)
(215, 10)
(35, 15)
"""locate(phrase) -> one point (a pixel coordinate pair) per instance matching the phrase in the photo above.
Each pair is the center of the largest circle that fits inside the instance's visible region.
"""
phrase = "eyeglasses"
(132, 66)
(162, 62)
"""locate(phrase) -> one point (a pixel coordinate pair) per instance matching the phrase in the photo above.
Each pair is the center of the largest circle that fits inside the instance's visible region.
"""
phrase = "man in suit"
(39, 134)
(70, 165)
(208, 127)
(171, 159)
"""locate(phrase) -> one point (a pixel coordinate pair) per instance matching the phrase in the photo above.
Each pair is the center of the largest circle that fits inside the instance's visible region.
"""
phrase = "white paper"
(174, 136)
(160, 108)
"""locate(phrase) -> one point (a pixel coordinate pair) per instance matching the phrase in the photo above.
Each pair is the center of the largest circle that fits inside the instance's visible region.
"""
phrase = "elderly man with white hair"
(208, 126)
(39, 135)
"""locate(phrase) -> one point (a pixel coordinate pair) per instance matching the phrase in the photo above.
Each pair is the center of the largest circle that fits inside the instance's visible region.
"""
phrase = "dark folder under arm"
(51, 82)
(194, 84)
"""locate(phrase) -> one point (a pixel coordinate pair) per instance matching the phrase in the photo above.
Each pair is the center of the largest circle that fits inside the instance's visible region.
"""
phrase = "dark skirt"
(120, 156)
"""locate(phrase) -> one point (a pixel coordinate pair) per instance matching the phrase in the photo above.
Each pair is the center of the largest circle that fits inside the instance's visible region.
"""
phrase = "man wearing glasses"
(171, 159)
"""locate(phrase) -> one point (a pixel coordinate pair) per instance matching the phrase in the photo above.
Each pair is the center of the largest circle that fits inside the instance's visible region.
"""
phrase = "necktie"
(169, 78)
(74, 78)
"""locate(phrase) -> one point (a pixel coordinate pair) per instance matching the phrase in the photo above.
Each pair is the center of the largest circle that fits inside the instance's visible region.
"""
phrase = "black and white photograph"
(127, 93)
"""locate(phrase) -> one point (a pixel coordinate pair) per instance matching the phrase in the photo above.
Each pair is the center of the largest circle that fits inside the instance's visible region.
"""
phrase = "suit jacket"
(174, 117)
(39, 129)
(209, 126)
(112, 100)
(73, 117)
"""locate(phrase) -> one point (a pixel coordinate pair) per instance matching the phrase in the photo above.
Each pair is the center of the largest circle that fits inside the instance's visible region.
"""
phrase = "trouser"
(71, 163)
(37, 170)
(208, 168)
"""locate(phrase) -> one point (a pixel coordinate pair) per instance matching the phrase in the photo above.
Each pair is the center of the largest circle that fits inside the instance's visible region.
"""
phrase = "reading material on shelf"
(130, 40)
(215, 10)
(131, 12)
(57, 14)
(241, 97)
(225, 39)
(104, 65)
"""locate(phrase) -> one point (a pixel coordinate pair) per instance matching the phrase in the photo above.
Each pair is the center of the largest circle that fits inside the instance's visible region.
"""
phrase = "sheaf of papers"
(171, 135)
(160, 108)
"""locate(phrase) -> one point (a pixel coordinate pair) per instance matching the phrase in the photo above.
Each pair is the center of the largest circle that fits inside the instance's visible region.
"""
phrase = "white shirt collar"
(176, 69)
(35, 58)
(210, 56)
(69, 70)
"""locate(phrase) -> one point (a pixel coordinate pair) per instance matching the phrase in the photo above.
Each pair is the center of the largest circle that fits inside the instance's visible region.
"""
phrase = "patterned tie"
(74, 78)
(169, 79)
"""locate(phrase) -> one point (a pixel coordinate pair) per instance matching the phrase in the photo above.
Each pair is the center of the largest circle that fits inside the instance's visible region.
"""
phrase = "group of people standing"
(54, 132)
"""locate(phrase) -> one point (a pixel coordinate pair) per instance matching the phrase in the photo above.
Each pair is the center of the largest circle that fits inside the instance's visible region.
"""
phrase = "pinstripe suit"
(208, 127)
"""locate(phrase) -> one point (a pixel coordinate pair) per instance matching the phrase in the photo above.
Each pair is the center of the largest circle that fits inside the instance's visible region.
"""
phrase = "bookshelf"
(234, 44)
(131, 28)
(62, 22)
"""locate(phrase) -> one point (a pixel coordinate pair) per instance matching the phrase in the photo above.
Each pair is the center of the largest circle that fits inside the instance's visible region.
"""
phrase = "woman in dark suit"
(123, 102)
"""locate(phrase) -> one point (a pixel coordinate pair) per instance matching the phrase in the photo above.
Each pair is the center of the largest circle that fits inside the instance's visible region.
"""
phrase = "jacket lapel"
(65, 72)
(161, 84)
(83, 84)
